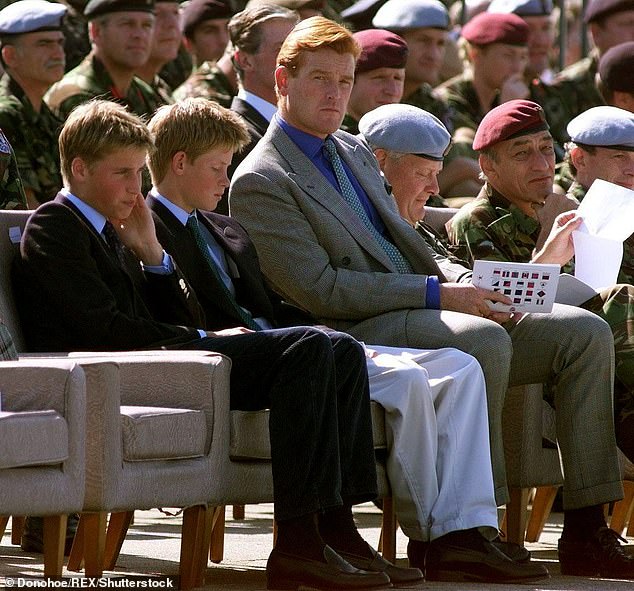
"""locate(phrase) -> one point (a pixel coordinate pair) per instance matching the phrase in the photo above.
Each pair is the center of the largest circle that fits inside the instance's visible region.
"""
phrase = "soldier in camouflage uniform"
(33, 54)
(12, 194)
(121, 34)
(502, 225)
(210, 81)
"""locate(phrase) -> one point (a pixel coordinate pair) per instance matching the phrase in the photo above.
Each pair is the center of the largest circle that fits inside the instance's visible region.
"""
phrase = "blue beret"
(406, 129)
(96, 8)
(522, 7)
(608, 127)
(411, 14)
(598, 9)
(28, 16)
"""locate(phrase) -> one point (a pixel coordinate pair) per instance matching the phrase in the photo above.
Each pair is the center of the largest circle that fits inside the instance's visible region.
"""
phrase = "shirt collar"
(266, 109)
(307, 143)
(178, 212)
(97, 220)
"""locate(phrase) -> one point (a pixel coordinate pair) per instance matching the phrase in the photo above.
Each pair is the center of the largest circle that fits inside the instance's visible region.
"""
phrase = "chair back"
(12, 224)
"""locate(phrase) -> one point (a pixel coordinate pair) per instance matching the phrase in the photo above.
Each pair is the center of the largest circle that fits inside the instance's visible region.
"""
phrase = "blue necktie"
(352, 199)
(114, 242)
(194, 227)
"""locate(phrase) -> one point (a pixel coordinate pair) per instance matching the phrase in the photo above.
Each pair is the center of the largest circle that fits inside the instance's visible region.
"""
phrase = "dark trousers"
(315, 384)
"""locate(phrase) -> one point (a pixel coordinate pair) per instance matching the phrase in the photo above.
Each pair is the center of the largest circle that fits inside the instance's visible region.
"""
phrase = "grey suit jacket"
(315, 251)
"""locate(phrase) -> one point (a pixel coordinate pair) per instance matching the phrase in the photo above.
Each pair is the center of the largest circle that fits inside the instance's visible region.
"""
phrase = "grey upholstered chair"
(42, 442)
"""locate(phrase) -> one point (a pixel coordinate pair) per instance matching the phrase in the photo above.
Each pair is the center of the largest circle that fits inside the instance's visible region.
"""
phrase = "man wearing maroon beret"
(498, 53)
(379, 75)
(518, 161)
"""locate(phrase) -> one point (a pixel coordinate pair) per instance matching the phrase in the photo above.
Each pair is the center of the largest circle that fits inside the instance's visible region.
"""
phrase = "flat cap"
(406, 129)
(29, 16)
(380, 49)
(522, 7)
(608, 127)
(598, 9)
(411, 14)
(508, 121)
(96, 8)
(361, 13)
(616, 68)
(488, 27)
(197, 11)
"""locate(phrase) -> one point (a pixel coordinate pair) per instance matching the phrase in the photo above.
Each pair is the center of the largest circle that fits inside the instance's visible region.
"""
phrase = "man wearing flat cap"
(206, 37)
(516, 156)
(379, 74)
(121, 37)
(610, 22)
(331, 241)
(33, 56)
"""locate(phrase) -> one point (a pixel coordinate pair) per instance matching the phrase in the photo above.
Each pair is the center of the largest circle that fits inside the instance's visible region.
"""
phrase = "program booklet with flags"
(530, 287)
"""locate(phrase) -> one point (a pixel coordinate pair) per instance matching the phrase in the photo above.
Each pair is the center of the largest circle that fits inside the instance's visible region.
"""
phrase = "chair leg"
(54, 539)
(195, 539)
(622, 511)
(4, 520)
(542, 504)
(94, 543)
(388, 530)
(238, 512)
(516, 510)
(118, 525)
(76, 557)
(217, 545)
(17, 528)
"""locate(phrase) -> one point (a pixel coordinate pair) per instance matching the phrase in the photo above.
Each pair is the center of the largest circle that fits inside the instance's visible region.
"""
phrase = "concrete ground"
(152, 549)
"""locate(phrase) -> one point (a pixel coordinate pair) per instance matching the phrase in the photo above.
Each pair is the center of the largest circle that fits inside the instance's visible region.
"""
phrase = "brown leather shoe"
(286, 571)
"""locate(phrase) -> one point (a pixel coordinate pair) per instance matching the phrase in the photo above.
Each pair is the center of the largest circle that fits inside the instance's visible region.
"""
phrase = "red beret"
(198, 11)
(510, 120)
(490, 27)
(380, 49)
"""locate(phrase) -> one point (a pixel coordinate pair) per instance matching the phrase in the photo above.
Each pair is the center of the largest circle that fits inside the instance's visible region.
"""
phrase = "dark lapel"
(251, 115)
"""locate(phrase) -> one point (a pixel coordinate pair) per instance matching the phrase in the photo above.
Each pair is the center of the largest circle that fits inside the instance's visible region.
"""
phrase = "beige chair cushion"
(152, 433)
(32, 438)
(249, 439)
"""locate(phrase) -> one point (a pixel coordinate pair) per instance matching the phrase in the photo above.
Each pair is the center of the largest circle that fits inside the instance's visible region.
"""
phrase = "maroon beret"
(490, 27)
(197, 11)
(598, 9)
(616, 68)
(380, 49)
(508, 121)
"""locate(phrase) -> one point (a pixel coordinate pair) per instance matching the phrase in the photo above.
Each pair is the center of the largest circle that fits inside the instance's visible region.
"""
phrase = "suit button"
(345, 261)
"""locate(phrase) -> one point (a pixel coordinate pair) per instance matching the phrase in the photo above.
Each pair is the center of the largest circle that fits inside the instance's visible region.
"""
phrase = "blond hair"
(311, 35)
(97, 128)
(194, 126)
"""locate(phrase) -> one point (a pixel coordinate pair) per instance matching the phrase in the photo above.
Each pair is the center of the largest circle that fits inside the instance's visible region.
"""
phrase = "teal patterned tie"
(352, 199)
(194, 227)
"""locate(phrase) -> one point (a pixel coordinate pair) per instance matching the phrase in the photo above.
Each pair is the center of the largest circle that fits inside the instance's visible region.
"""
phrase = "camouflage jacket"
(90, 79)
(350, 124)
(208, 81)
(34, 139)
(437, 243)
(426, 98)
(163, 90)
(556, 110)
(493, 229)
(11, 191)
(577, 87)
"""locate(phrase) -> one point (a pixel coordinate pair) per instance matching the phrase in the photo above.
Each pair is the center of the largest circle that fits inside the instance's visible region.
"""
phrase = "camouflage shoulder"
(575, 71)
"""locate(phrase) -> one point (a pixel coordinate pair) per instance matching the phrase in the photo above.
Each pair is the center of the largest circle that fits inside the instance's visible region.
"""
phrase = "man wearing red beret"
(498, 54)
(517, 157)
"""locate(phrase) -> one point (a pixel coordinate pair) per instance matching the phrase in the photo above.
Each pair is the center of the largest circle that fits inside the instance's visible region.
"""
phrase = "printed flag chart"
(530, 287)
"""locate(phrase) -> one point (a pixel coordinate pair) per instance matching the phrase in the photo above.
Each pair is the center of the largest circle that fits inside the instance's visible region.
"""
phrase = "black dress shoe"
(416, 551)
(286, 571)
(468, 556)
(602, 555)
(514, 551)
(398, 574)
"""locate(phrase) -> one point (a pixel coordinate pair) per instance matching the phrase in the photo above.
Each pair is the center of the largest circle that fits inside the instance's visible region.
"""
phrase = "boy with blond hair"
(91, 275)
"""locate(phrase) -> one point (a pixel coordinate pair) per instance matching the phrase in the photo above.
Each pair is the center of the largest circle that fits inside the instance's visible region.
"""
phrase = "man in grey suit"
(331, 241)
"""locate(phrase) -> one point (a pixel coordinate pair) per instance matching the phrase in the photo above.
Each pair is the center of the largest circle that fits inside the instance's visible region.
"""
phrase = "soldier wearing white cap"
(33, 56)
